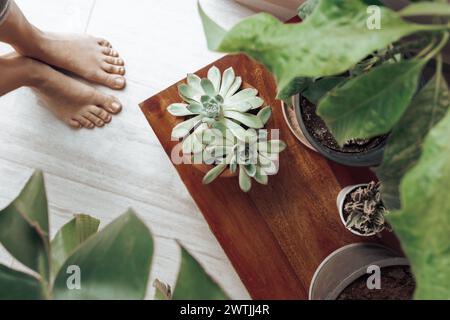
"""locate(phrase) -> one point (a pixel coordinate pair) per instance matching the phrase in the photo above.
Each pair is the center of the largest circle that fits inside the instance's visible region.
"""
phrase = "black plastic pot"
(370, 158)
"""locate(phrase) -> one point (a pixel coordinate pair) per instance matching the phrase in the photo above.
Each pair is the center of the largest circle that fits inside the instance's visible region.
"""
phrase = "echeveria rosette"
(216, 99)
(255, 159)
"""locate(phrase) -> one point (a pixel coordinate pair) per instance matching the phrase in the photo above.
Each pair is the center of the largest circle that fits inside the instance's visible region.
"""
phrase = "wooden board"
(275, 236)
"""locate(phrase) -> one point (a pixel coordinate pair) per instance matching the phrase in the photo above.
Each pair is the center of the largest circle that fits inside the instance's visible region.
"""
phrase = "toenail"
(115, 106)
(119, 82)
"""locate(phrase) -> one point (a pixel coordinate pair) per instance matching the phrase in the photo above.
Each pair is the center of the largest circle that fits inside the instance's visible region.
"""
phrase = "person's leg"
(4, 6)
(73, 102)
(89, 57)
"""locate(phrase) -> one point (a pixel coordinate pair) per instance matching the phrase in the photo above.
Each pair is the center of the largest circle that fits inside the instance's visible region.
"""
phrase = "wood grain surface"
(275, 235)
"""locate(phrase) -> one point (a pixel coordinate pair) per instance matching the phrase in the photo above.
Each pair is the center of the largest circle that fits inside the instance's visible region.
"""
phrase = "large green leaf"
(423, 224)
(332, 40)
(70, 236)
(372, 103)
(114, 263)
(406, 139)
(15, 285)
(307, 7)
(318, 89)
(24, 226)
(194, 283)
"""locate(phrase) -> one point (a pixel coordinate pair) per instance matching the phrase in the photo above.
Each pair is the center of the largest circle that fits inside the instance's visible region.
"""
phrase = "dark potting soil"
(397, 283)
(318, 129)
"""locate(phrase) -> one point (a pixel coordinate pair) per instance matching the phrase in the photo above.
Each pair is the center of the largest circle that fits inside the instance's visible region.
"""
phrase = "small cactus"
(365, 211)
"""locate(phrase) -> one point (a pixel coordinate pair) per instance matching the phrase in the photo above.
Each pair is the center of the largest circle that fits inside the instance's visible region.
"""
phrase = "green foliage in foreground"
(113, 263)
(367, 82)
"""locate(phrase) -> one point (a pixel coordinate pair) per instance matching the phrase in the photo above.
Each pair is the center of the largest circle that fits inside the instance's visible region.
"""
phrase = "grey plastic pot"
(370, 158)
(340, 205)
(345, 265)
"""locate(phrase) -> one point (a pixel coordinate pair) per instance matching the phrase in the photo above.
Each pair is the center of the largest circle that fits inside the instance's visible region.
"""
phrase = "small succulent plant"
(365, 210)
(255, 159)
(216, 100)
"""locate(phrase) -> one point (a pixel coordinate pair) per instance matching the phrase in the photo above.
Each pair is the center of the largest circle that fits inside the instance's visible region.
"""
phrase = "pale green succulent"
(255, 159)
(216, 100)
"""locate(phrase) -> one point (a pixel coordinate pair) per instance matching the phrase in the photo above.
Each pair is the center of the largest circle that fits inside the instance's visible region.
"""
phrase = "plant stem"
(438, 48)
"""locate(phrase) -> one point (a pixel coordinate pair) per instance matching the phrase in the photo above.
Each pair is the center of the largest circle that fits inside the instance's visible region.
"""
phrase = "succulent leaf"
(239, 132)
(245, 183)
(261, 177)
(194, 82)
(214, 173)
(265, 114)
(183, 128)
(188, 93)
(250, 169)
(234, 87)
(208, 87)
(241, 96)
(227, 81)
(215, 77)
(180, 110)
(195, 108)
(247, 119)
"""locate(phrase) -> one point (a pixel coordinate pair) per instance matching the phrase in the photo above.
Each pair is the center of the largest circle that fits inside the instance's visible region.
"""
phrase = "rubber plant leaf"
(70, 236)
(113, 263)
(194, 283)
(24, 226)
(423, 223)
(332, 40)
(369, 105)
(15, 285)
(405, 142)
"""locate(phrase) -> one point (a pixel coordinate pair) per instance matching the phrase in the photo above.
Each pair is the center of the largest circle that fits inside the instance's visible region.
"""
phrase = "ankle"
(31, 44)
(35, 73)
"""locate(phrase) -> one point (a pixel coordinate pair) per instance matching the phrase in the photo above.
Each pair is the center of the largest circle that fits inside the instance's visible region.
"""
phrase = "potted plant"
(344, 275)
(361, 209)
(229, 110)
(82, 263)
(385, 99)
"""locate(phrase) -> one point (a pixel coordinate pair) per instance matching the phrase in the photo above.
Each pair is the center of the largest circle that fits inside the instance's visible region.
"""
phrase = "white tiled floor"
(103, 172)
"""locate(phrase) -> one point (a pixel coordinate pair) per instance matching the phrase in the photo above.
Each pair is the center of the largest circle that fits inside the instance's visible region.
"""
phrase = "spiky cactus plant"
(216, 99)
(365, 211)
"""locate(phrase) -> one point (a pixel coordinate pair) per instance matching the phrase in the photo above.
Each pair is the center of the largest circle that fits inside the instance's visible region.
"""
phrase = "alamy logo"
(74, 280)
(374, 18)
(374, 280)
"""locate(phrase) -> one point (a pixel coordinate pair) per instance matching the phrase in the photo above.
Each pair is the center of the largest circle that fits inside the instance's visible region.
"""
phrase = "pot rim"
(340, 205)
(372, 157)
(388, 262)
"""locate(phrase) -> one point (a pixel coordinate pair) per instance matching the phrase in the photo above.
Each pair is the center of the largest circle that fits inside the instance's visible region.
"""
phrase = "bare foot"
(73, 102)
(91, 58)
